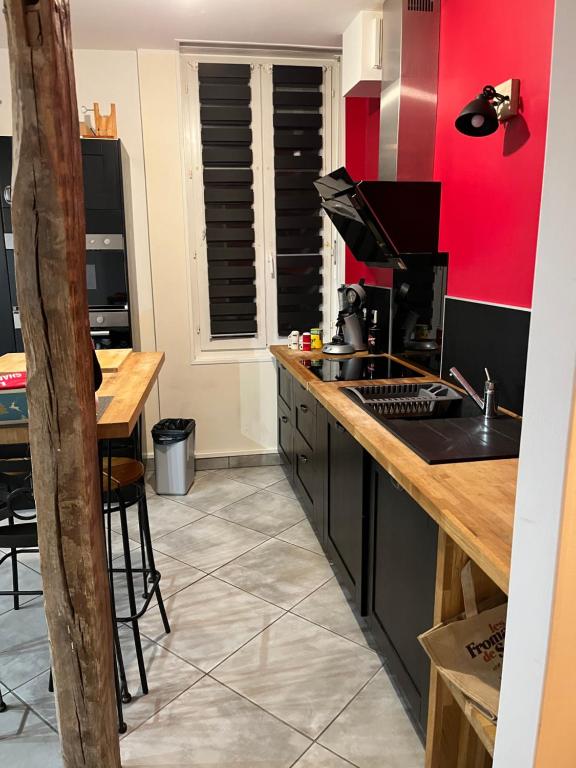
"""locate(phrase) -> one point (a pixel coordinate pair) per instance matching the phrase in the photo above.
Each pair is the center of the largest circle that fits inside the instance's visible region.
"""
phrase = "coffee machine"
(349, 336)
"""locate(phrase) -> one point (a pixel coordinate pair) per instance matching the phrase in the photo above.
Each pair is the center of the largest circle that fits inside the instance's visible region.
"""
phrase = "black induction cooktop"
(359, 368)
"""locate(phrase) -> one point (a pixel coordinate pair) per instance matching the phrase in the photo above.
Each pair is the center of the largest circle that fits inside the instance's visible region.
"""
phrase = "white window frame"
(204, 348)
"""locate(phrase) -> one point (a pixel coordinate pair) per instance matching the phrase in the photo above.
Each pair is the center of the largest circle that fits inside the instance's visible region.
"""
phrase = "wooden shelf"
(484, 727)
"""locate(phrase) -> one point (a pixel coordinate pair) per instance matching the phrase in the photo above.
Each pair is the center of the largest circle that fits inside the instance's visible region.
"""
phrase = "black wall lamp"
(494, 105)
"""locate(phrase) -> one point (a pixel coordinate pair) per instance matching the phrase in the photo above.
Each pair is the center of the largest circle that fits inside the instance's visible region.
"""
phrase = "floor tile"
(318, 757)
(25, 740)
(36, 694)
(168, 676)
(330, 607)
(24, 649)
(302, 534)
(209, 621)
(301, 673)
(164, 514)
(284, 488)
(28, 579)
(30, 559)
(117, 545)
(261, 477)
(265, 512)
(209, 726)
(208, 543)
(278, 572)
(175, 576)
(214, 491)
(374, 730)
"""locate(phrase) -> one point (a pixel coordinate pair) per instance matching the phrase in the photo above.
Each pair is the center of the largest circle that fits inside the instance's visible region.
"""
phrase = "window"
(259, 131)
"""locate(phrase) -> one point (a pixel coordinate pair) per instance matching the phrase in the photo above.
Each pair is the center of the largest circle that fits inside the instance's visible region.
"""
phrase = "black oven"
(107, 283)
(106, 276)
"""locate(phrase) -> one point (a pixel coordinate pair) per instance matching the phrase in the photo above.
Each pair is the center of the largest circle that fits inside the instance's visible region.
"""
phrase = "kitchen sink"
(438, 424)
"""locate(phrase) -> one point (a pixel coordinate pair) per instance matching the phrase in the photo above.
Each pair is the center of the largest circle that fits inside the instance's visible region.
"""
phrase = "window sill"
(231, 357)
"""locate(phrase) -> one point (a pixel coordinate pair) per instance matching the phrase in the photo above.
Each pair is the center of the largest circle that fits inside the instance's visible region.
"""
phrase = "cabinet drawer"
(285, 433)
(284, 386)
(305, 476)
(304, 413)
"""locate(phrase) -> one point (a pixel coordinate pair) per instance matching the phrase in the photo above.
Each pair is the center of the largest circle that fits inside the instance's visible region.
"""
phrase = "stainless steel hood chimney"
(410, 45)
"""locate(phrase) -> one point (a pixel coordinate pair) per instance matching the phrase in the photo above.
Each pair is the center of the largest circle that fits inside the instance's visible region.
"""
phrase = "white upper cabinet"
(362, 55)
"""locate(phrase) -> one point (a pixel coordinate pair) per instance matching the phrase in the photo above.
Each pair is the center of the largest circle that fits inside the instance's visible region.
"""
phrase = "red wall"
(362, 139)
(491, 186)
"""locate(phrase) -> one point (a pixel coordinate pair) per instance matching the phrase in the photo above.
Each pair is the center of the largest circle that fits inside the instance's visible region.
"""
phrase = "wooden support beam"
(49, 241)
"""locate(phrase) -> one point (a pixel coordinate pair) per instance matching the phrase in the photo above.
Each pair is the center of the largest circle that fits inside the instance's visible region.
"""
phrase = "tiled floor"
(267, 663)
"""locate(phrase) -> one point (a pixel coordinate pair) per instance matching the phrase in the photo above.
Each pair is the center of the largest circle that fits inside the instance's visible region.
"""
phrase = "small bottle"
(375, 336)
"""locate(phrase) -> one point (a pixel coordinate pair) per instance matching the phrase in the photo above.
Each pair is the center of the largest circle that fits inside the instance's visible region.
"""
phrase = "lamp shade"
(478, 118)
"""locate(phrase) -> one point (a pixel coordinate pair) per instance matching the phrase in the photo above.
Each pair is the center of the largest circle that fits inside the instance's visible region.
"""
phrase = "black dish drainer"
(398, 401)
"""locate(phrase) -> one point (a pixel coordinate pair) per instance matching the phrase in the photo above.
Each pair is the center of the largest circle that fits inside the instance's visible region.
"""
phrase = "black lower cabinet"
(345, 508)
(402, 575)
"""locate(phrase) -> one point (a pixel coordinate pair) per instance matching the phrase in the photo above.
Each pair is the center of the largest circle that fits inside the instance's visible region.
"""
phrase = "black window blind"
(298, 122)
(226, 125)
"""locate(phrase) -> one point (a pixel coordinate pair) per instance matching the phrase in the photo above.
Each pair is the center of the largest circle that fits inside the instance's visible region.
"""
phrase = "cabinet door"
(285, 435)
(7, 340)
(102, 186)
(285, 382)
(402, 580)
(345, 519)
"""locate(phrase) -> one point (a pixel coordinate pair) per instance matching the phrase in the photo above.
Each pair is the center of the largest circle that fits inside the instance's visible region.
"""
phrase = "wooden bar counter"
(128, 385)
(473, 505)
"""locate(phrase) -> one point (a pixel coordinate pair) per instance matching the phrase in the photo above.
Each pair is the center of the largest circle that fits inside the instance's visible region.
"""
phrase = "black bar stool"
(19, 536)
(124, 489)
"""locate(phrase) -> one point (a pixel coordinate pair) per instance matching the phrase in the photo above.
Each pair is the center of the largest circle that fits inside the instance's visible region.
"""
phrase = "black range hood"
(385, 223)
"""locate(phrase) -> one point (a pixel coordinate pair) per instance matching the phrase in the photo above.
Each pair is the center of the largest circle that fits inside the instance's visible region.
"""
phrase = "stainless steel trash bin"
(174, 466)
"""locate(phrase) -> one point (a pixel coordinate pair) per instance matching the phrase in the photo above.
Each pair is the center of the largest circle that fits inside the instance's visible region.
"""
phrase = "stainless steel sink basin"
(457, 431)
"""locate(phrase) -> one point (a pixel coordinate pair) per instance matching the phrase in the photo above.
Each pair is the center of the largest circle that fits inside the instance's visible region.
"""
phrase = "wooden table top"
(129, 387)
(111, 360)
(472, 501)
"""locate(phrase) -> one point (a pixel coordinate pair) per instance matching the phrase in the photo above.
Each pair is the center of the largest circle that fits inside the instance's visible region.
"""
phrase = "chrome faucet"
(488, 405)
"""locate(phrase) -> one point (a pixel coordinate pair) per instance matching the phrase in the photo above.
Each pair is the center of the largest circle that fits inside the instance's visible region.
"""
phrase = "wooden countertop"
(111, 360)
(129, 387)
(472, 501)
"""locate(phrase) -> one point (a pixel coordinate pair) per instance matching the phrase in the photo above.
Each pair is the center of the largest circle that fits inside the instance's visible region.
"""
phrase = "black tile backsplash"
(380, 298)
(478, 335)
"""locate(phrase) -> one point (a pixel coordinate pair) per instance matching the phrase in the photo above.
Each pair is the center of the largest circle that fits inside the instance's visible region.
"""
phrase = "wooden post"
(49, 242)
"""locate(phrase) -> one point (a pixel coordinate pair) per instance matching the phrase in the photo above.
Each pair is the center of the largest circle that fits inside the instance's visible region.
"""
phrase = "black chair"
(20, 534)
(124, 489)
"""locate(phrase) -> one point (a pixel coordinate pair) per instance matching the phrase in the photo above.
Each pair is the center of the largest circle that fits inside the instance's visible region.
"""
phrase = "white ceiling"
(127, 24)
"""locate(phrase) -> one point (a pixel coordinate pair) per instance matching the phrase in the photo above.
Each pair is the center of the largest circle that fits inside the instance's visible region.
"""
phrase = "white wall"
(234, 404)
(549, 391)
